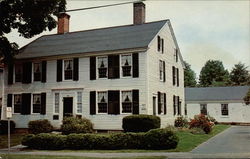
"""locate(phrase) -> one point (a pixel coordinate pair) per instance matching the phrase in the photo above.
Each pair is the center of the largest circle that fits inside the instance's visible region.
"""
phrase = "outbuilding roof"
(105, 39)
(216, 93)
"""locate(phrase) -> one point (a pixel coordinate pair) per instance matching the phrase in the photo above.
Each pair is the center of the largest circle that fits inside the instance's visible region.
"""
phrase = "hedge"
(39, 126)
(154, 139)
(140, 123)
(4, 126)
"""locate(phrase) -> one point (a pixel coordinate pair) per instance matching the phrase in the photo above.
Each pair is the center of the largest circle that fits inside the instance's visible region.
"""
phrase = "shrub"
(140, 123)
(201, 121)
(4, 126)
(212, 119)
(39, 126)
(76, 125)
(181, 122)
(197, 131)
(154, 139)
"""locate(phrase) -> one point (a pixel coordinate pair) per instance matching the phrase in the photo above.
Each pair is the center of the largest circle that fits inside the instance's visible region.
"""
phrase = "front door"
(154, 105)
(67, 106)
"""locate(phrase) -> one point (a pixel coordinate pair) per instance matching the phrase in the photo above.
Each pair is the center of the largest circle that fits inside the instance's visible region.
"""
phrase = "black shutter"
(174, 105)
(135, 65)
(113, 66)
(75, 69)
(44, 71)
(177, 76)
(165, 104)
(43, 103)
(164, 72)
(92, 103)
(92, 67)
(162, 45)
(26, 104)
(173, 74)
(59, 71)
(135, 101)
(113, 102)
(159, 102)
(10, 74)
(158, 43)
(27, 72)
(178, 104)
(9, 100)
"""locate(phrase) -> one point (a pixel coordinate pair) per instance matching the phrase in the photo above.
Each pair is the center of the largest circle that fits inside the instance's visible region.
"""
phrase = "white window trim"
(121, 73)
(13, 103)
(121, 102)
(32, 96)
(63, 77)
(54, 103)
(97, 72)
(97, 108)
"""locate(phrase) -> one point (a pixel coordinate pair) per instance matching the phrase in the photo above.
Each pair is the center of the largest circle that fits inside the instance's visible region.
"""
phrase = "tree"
(189, 76)
(247, 98)
(213, 73)
(29, 17)
(239, 74)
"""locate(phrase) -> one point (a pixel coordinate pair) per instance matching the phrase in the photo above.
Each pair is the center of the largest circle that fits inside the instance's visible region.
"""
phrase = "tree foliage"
(29, 17)
(189, 76)
(239, 75)
(247, 98)
(213, 73)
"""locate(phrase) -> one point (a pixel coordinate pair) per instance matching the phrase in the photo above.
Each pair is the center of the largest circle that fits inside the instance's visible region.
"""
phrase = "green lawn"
(15, 139)
(188, 141)
(71, 157)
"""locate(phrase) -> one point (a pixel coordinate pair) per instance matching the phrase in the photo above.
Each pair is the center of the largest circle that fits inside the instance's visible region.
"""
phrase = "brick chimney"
(139, 13)
(63, 23)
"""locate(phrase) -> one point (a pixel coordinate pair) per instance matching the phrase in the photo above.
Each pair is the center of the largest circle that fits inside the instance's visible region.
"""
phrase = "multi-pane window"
(56, 109)
(18, 72)
(36, 103)
(68, 69)
(102, 67)
(17, 103)
(224, 109)
(161, 68)
(126, 64)
(127, 101)
(203, 108)
(102, 102)
(79, 102)
(37, 71)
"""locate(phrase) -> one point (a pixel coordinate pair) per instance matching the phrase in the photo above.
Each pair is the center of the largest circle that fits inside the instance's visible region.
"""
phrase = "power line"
(109, 5)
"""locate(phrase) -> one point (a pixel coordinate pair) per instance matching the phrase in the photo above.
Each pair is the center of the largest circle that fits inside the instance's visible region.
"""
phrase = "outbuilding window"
(203, 109)
(224, 109)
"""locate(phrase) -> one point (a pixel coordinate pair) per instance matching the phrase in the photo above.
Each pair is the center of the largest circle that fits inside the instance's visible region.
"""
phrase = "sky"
(204, 29)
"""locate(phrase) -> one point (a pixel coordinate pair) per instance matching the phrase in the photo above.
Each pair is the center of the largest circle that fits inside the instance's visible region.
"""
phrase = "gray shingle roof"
(105, 39)
(216, 93)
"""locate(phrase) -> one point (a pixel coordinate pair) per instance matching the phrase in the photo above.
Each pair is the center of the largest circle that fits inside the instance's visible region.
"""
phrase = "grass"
(72, 157)
(15, 139)
(188, 141)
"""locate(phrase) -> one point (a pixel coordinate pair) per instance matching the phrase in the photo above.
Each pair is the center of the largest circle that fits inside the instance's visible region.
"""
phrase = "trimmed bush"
(140, 123)
(4, 126)
(39, 126)
(201, 121)
(154, 139)
(181, 122)
(76, 125)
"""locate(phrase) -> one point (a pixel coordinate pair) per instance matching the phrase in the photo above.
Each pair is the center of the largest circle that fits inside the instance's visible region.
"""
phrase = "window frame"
(161, 72)
(13, 105)
(32, 101)
(63, 68)
(121, 102)
(97, 67)
(97, 102)
(33, 71)
(203, 105)
(79, 102)
(161, 103)
(227, 109)
(54, 106)
(121, 67)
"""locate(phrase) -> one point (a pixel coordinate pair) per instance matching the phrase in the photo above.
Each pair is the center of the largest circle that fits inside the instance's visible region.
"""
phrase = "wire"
(109, 5)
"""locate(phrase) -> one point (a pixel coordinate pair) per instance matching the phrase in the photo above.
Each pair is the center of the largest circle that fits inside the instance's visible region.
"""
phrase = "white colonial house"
(225, 104)
(101, 74)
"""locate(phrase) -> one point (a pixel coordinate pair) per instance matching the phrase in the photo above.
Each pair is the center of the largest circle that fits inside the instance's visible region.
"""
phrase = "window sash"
(103, 102)
(36, 103)
(127, 100)
(79, 102)
(56, 108)
(126, 64)
(224, 109)
(37, 71)
(161, 70)
(203, 109)
(68, 69)
(102, 67)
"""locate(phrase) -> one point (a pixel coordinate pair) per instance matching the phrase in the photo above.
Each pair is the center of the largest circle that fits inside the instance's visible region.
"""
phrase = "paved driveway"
(236, 139)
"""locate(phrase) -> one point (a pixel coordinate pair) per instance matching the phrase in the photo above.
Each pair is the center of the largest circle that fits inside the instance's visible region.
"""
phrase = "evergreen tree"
(239, 75)
(189, 76)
